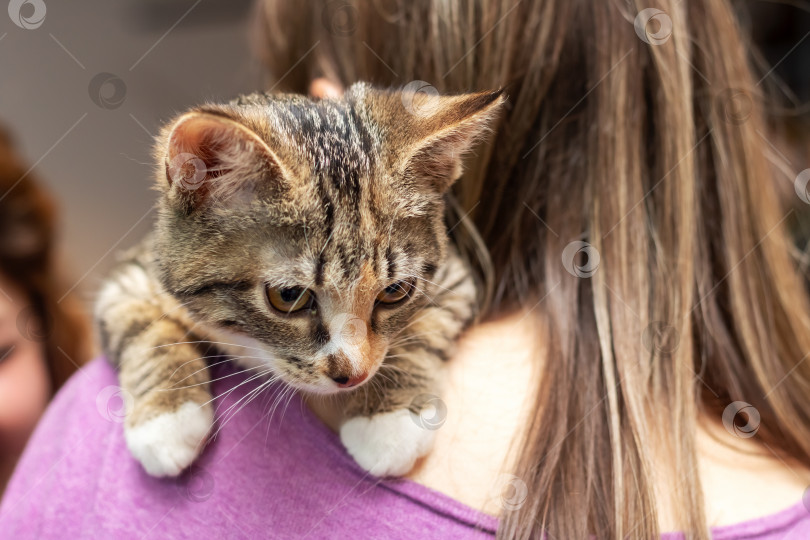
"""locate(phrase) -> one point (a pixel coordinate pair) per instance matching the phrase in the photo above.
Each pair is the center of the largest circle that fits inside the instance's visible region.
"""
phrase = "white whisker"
(211, 381)
(253, 377)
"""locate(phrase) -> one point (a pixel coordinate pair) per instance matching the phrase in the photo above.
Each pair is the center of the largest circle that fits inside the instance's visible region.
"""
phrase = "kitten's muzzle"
(346, 372)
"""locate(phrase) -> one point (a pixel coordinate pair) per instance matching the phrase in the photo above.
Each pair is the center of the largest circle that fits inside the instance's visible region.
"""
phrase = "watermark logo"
(509, 492)
(32, 326)
(420, 98)
(577, 249)
(653, 26)
(801, 185)
(113, 402)
(107, 90)
(340, 18)
(196, 484)
(27, 14)
(349, 332)
(187, 170)
(734, 105)
(428, 411)
(733, 414)
(660, 338)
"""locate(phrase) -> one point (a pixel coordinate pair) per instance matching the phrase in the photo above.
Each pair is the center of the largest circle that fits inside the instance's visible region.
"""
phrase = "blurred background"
(86, 87)
(83, 94)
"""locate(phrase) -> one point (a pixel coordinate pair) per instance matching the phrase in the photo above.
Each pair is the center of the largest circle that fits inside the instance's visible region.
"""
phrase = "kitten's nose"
(348, 382)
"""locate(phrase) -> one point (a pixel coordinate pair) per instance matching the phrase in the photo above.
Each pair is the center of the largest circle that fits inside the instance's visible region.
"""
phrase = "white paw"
(386, 444)
(167, 444)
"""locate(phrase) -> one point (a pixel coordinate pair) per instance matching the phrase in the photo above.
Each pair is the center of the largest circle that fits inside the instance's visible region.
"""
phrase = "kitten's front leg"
(164, 379)
(394, 417)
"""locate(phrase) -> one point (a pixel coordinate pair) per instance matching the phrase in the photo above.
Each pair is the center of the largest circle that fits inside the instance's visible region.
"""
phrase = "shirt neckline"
(444, 505)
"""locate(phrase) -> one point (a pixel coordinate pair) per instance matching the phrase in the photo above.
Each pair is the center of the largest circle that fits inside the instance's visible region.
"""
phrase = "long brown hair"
(27, 259)
(641, 136)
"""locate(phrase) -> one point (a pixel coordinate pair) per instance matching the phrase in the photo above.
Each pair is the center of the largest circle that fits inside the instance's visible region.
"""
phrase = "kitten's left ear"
(210, 156)
(439, 131)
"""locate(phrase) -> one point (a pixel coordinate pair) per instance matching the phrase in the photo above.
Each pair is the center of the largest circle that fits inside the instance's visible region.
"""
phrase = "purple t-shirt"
(283, 475)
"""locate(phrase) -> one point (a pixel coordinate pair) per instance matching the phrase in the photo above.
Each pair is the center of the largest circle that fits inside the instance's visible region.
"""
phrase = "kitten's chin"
(326, 386)
(327, 389)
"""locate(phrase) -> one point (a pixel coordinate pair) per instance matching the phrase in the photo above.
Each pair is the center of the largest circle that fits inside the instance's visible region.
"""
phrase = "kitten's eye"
(396, 292)
(290, 299)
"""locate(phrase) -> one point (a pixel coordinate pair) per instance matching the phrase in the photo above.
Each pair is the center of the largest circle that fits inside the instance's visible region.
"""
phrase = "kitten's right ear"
(426, 134)
(210, 157)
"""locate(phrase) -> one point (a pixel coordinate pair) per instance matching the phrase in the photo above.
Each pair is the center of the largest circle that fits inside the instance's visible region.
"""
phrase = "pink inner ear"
(196, 150)
(192, 133)
(216, 159)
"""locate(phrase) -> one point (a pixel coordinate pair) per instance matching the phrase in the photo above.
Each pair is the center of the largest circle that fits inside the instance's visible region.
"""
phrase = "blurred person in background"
(42, 340)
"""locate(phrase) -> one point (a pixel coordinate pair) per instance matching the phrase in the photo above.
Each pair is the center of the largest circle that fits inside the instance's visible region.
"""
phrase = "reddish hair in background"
(27, 259)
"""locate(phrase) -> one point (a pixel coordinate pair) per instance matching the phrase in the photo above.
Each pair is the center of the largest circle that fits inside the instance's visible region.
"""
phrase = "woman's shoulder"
(272, 469)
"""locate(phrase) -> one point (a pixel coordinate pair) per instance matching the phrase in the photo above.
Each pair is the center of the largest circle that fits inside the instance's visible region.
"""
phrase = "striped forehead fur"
(336, 137)
(340, 201)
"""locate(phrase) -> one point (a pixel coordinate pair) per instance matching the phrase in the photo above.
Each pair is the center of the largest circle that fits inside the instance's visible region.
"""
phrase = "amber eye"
(290, 299)
(396, 292)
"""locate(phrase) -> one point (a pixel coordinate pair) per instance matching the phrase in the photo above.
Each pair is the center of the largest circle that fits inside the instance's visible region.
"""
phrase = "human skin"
(489, 392)
(25, 387)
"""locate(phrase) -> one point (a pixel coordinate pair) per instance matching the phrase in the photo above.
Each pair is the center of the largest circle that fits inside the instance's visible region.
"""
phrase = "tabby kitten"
(305, 239)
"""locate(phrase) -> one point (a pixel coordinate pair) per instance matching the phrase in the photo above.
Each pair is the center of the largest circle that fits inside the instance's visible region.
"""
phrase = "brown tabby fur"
(343, 197)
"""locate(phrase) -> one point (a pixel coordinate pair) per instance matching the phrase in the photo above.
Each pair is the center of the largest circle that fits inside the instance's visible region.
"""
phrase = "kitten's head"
(311, 231)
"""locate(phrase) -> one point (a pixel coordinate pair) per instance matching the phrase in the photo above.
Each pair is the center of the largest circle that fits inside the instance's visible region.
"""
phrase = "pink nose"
(348, 382)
